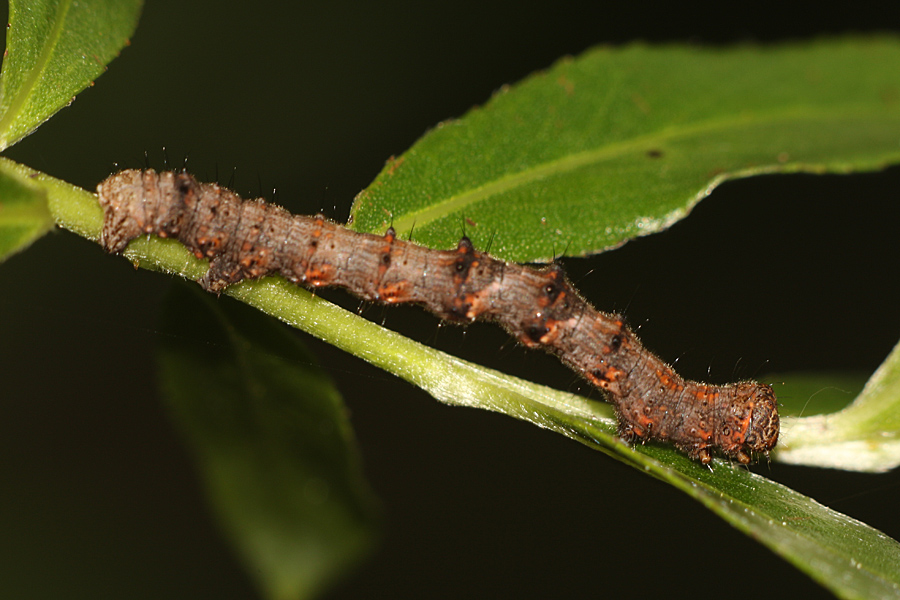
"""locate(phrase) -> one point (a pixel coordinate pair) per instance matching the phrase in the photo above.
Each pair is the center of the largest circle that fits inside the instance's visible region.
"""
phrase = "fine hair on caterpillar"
(249, 239)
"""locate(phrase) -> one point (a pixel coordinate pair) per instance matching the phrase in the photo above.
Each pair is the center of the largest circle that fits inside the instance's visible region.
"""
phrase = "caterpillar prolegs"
(248, 239)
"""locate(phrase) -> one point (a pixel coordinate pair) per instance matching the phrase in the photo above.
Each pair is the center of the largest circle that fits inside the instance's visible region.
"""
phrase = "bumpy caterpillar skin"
(248, 239)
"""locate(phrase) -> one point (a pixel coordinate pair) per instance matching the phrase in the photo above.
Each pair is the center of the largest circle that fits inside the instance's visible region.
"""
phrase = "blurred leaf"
(864, 436)
(24, 215)
(70, 206)
(622, 142)
(272, 442)
(55, 49)
(810, 394)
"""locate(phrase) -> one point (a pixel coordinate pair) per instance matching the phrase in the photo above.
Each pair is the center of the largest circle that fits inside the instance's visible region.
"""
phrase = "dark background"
(98, 496)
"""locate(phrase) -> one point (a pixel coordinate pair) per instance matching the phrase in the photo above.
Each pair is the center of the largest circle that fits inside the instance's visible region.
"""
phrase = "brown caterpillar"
(248, 239)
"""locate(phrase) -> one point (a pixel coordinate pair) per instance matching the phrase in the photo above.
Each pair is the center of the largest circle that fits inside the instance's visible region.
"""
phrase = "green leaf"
(622, 142)
(271, 440)
(864, 436)
(70, 206)
(24, 215)
(846, 556)
(808, 394)
(55, 49)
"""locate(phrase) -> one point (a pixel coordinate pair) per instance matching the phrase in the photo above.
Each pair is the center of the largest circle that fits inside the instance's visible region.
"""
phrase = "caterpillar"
(249, 239)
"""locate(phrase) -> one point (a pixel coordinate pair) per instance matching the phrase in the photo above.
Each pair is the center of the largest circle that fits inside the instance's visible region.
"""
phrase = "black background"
(98, 496)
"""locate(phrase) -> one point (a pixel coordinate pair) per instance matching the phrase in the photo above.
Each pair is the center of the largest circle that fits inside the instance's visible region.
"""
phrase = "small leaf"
(271, 440)
(622, 142)
(809, 394)
(55, 49)
(864, 436)
(70, 206)
(24, 215)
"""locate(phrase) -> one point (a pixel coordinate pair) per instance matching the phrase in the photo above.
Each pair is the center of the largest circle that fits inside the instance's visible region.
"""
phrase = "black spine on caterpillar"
(248, 239)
